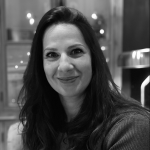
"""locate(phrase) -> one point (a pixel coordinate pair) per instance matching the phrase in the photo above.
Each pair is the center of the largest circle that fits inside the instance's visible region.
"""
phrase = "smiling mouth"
(67, 79)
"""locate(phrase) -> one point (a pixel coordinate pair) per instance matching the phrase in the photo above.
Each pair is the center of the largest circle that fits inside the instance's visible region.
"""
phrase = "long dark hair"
(42, 114)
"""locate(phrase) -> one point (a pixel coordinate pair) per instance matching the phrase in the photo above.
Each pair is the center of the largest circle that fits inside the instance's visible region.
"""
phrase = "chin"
(70, 94)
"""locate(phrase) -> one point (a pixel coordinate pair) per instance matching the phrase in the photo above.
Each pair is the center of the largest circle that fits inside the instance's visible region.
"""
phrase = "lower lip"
(68, 81)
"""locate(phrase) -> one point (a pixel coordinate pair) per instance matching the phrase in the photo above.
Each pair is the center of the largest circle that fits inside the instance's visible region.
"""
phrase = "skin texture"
(67, 65)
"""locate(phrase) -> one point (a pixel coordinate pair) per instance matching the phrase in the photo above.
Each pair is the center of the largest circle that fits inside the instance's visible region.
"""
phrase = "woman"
(70, 100)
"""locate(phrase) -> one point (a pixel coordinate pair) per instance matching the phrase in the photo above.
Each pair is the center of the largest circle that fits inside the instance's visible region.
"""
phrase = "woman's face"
(66, 59)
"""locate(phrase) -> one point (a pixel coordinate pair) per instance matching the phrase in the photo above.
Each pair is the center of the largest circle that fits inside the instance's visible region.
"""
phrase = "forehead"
(60, 31)
(62, 27)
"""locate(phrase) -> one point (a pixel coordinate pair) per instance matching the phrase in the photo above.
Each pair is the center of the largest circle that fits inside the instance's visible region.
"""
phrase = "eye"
(52, 55)
(77, 51)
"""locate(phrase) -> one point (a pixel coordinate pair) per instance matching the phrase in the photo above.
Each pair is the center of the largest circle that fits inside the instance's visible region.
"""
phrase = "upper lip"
(67, 78)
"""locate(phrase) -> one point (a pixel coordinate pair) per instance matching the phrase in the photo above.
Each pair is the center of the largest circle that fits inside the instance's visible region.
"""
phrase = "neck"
(71, 105)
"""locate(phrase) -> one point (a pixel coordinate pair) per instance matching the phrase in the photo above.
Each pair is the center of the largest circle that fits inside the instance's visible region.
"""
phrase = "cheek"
(86, 69)
(87, 72)
(48, 69)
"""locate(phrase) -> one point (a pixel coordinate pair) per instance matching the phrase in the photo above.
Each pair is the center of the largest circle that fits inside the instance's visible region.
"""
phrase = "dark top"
(128, 131)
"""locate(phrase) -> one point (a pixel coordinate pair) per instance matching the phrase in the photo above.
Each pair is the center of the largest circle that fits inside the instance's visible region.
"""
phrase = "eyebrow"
(75, 45)
(49, 48)
(70, 47)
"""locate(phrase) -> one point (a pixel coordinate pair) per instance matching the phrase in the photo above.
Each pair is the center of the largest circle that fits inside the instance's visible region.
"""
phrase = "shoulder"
(129, 130)
(14, 141)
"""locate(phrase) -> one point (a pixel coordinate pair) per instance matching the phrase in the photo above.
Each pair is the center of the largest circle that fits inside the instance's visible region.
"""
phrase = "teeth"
(68, 79)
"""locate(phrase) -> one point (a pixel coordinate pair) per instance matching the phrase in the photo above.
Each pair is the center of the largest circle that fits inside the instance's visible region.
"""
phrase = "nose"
(65, 64)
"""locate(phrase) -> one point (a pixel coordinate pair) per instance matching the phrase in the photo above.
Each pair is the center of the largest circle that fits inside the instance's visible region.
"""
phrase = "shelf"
(8, 118)
(135, 59)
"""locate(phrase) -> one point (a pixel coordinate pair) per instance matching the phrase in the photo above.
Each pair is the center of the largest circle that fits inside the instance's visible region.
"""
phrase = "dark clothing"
(129, 131)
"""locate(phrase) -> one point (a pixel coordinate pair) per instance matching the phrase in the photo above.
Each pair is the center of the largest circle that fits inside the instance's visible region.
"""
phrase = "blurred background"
(122, 29)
